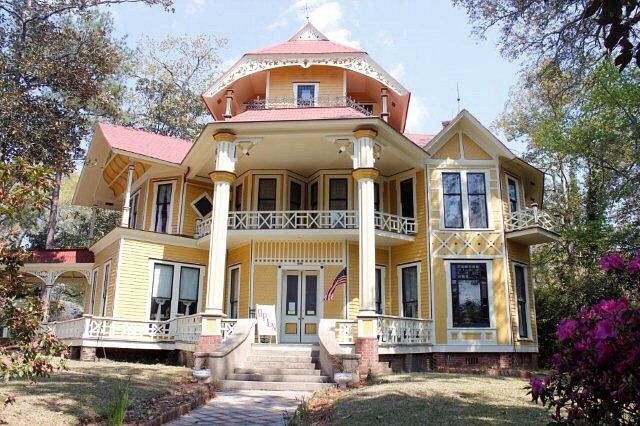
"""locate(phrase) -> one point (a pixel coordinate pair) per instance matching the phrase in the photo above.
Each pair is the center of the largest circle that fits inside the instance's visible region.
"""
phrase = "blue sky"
(427, 45)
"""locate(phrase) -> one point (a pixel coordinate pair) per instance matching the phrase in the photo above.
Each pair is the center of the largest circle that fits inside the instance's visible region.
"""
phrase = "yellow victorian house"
(305, 231)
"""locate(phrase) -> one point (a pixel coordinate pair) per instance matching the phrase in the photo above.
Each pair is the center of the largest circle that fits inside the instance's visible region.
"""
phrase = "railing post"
(86, 326)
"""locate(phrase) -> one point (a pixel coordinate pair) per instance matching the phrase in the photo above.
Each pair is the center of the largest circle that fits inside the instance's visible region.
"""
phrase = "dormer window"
(306, 94)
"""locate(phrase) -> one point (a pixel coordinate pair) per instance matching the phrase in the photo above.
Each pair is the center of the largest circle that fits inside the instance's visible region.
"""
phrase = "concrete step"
(276, 386)
(280, 358)
(286, 348)
(279, 378)
(281, 364)
(268, 371)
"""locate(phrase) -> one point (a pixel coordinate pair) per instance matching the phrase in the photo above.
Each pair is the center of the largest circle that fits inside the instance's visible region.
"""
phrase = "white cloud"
(417, 115)
(194, 7)
(397, 71)
(385, 38)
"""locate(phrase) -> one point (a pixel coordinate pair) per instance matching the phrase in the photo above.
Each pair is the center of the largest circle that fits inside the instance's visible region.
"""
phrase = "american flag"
(341, 278)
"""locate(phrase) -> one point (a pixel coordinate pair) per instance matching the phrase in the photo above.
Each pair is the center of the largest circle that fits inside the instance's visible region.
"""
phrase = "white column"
(222, 178)
(126, 206)
(227, 108)
(365, 174)
(384, 100)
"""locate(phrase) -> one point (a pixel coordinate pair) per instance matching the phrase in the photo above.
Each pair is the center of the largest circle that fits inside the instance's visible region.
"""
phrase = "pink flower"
(610, 306)
(565, 328)
(604, 329)
(612, 261)
(538, 385)
(634, 264)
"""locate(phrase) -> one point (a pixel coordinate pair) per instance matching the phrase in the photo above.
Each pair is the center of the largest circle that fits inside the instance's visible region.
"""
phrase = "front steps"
(278, 367)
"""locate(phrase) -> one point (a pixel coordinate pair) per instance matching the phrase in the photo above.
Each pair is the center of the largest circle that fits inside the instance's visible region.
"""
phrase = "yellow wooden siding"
(193, 191)
(265, 289)
(451, 149)
(472, 150)
(134, 287)
(333, 308)
(329, 79)
(140, 215)
(109, 254)
(353, 304)
(393, 197)
(241, 256)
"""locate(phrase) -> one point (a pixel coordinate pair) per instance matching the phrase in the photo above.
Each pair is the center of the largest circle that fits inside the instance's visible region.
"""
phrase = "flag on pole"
(341, 278)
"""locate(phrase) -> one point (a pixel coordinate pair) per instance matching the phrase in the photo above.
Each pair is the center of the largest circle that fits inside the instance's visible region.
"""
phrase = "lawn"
(84, 390)
(431, 398)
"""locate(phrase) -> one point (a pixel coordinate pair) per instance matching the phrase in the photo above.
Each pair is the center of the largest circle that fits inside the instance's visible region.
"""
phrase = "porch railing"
(531, 217)
(307, 219)
(186, 329)
(404, 331)
(126, 329)
(279, 102)
(346, 331)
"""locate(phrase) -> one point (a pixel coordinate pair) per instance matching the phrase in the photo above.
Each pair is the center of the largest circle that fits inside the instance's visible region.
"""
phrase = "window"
(409, 291)
(379, 290)
(452, 200)
(469, 295)
(133, 210)
(94, 284)
(162, 207)
(310, 294)
(520, 278)
(233, 291)
(313, 196)
(338, 194)
(267, 188)
(295, 195)
(376, 196)
(512, 189)
(175, 290)
(202, 205)
(305, 94)
(238, 198)
(105, 285)
(464, 200)
(406, 198)
(188, 292)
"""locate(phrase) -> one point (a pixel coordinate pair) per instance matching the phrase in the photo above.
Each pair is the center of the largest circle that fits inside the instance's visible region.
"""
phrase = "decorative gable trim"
(308, 33)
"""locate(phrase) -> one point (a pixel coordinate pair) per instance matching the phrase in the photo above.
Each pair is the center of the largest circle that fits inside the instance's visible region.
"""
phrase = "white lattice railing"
(404, 331)
(276, 102)
(186, 329)
(116, 328)
(530, 217)
(227, 328)
(68, 329)
(307, 219)
(346, 331)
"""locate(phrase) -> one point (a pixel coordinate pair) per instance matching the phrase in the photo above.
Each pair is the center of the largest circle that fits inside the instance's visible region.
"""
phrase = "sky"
(427, 45)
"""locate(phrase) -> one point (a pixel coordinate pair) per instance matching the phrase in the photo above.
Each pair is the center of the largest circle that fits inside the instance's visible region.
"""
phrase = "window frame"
(228, 299)
(489, 269)
(526, 297)
(399, 269)
(318, 205)
(315, 92)
(94, 280)
(302, 193)
(383, 273)
(399, 180)
(238, 206)
(347, 197)
(465, 199)
(516, 182)
(256, 186)
(156, 184)
(134, 201)
(175, 288)
(106, 269)
(195, 200)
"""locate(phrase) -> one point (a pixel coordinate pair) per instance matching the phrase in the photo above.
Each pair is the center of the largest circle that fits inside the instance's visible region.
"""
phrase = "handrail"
(530, 217)
(307, 219)
(281, 102)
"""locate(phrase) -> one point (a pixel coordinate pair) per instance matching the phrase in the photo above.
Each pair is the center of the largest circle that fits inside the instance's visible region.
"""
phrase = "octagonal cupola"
(309, 71)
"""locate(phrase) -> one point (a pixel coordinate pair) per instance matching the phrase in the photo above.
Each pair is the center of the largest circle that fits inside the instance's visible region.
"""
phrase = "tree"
(572, 33)
(168, 77)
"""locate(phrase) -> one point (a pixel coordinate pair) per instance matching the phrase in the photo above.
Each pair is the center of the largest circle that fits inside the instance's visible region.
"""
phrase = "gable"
(473, 151)
(451, 149)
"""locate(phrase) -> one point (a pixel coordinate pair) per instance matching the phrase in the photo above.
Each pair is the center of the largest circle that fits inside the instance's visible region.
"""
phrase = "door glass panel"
(310, 295)
(233, 293)
(410, 291)
(379, 291)
(292, 295)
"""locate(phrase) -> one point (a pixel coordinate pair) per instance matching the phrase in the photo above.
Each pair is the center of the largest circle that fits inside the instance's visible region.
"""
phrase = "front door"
(300, 307)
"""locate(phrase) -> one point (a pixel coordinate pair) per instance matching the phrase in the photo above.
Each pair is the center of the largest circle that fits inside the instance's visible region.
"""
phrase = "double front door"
(300, 307)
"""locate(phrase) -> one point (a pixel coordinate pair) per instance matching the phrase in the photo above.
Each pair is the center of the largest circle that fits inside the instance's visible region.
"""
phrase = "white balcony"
(313, 221)
(531, 226)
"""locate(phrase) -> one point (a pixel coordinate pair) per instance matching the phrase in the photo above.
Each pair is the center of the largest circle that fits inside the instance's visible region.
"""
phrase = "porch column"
(45, 294)
(126, 206)
(365, 174)
(222, 178)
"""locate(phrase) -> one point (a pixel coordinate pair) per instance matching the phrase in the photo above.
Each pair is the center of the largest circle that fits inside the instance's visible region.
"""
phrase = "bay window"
(175, 290)
(468, 284)
(464, 200)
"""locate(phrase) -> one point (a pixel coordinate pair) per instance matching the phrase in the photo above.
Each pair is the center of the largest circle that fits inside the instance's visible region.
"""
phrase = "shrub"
(116, 411)
(596, 369)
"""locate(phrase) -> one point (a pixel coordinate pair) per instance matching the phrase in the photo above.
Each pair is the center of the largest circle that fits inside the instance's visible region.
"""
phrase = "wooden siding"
(193, 191)
(240, 256)
(329, 79)
(109, 254)
(472, 150)
(333, 308)
(265, 284)
(451, 149)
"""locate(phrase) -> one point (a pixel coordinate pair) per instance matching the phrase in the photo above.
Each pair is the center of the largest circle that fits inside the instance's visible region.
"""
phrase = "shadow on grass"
(429, 408)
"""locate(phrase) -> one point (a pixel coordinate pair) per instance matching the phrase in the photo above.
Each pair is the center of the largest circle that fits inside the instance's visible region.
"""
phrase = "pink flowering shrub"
(615, 262)
(596, 370)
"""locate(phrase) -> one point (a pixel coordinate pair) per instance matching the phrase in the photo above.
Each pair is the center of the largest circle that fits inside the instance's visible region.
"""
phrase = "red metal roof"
(285, 114)
(420, 139)
(79, 255)
(144, 143)
(306, 46)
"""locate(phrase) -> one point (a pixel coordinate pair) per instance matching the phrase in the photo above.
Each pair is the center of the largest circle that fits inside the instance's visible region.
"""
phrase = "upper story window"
(267, 190)
(338, 194)
(464, 200)
(376, 196)
(406, 198)
(202, 205)
(305, 94)
(512, 189)
(133, 209)
(313, 196)
(295, 195)
(162, 207)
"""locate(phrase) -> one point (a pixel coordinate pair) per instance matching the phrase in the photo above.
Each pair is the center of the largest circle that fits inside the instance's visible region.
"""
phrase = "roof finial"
(458, 92)
(306, 10)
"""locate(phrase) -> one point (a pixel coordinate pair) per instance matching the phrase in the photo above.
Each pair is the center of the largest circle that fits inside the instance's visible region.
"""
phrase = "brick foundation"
(185, 358)
(87, 353)
(367, 348)
(492, 363)
(208, 343)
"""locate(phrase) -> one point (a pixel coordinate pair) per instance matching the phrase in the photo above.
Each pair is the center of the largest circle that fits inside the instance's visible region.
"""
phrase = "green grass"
(85, 390)
(430, 398)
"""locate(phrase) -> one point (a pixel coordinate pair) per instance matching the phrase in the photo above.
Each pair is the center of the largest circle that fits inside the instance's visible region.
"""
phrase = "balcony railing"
(391, 331)
(307, 219)
(531, 217)
(279, 102)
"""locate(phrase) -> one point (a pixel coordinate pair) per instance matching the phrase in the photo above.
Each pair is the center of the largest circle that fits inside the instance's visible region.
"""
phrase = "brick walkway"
(243, 407)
